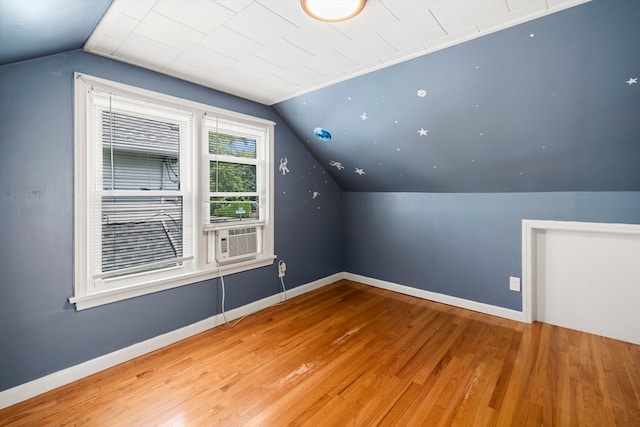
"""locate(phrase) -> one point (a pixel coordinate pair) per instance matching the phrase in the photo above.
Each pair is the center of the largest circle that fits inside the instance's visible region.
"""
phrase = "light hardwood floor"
(350, 354)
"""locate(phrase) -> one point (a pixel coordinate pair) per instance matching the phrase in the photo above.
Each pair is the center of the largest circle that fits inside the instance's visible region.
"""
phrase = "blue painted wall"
(463, 245)
(40, 332)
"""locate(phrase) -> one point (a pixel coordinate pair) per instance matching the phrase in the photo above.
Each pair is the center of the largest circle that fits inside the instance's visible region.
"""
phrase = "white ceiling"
(270, 50)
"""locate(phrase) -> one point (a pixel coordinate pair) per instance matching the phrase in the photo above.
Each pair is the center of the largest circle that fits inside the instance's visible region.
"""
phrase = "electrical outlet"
(514, 283)
(282, 267)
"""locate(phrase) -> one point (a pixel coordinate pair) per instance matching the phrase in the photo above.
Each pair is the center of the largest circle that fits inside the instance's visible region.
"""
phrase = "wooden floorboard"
(350, 354)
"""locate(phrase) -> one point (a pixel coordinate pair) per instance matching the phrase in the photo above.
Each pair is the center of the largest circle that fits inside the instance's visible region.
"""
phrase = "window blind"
(139, 202)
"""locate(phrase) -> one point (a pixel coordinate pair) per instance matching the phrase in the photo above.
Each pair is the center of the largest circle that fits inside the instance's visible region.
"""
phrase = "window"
(139, 175)
(145, 164)
(235, 157)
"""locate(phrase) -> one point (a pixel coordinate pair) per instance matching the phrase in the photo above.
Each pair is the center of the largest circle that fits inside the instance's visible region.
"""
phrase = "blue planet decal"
(322, 134)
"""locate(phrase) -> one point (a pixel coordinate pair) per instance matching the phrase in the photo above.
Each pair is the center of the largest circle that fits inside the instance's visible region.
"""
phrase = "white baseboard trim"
(65, 376)
(437, 297)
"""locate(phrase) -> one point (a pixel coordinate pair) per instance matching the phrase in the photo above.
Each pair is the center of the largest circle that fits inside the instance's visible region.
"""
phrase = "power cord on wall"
(234, 324)
(282, 268)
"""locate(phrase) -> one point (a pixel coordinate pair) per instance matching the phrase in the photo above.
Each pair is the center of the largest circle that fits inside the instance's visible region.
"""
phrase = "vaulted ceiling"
(33, 28)
(417, 95)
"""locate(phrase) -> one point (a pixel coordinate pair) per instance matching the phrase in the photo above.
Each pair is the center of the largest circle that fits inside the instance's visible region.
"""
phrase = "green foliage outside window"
(224, 209)
(224, 144)
(231, 177)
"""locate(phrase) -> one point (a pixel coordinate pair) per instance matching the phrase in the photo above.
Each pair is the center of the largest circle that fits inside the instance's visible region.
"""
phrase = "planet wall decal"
(322, 134)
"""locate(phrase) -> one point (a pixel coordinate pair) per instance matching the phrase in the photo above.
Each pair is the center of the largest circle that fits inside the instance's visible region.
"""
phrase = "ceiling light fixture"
(332, 10)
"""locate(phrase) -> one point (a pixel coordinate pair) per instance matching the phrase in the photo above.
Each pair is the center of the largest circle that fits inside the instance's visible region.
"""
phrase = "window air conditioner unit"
(236, 244)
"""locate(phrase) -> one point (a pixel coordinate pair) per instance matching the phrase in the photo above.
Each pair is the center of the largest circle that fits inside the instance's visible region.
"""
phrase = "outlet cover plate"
(514, 283)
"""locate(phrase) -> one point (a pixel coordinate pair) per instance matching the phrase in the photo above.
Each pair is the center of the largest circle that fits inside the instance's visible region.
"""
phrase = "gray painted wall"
(40, 332)
(463, 245)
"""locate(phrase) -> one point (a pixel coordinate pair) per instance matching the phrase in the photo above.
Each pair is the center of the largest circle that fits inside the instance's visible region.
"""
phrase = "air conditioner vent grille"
(236, 243)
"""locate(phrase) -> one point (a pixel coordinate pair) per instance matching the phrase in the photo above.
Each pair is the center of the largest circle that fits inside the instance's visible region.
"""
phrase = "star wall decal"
(423, 132)
(632, 80)
(360, 171)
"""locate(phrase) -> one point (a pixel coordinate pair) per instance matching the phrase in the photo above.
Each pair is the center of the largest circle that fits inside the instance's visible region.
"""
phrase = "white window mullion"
(231, 159)
(229, 194)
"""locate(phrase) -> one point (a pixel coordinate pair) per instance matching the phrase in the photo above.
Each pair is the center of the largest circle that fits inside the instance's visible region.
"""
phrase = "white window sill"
(95, 299)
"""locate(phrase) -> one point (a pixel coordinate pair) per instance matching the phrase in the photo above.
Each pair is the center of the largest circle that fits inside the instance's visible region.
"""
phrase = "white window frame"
(90, 289)
(261, 136)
